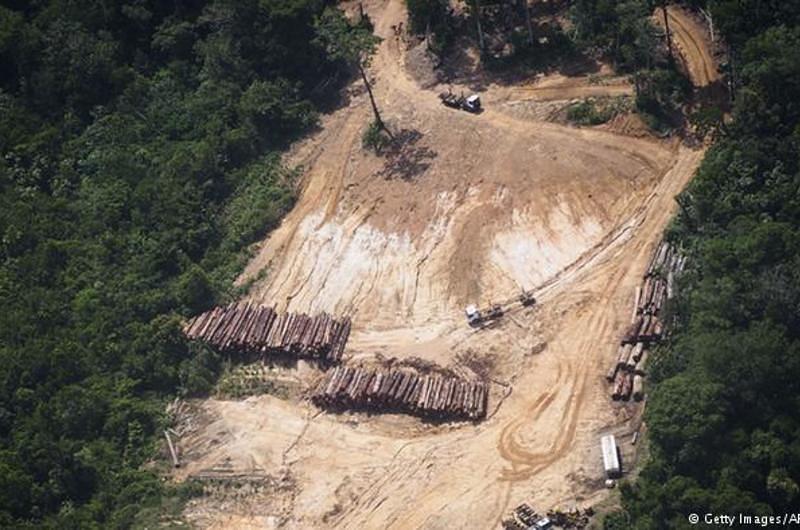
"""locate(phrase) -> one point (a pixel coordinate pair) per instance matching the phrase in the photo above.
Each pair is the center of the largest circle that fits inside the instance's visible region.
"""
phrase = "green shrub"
(375, 138)
(588, 113)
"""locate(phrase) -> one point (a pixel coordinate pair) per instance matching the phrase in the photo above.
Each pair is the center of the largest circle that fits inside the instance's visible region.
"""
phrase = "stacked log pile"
(623, 384)
(646, 328)
(638, 387)
(429, 395)
(658, 286)
(631, 358)
(646, 325)
(251, 328)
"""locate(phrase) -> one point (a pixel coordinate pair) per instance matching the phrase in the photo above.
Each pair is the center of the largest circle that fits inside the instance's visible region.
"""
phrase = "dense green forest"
(138, 146)
(724, 412)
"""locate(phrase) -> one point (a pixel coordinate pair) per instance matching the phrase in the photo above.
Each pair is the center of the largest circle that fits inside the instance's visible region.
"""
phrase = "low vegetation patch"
(661, 96)
(595, 111)
(375, 138)
(252, 380)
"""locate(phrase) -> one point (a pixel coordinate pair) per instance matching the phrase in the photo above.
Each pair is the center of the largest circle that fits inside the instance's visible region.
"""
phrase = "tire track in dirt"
(314, 194)
(397, 473)
(534, 462)
(691, 41)
(507, 447)
(557, 93)
(594, 329)
(624, 260)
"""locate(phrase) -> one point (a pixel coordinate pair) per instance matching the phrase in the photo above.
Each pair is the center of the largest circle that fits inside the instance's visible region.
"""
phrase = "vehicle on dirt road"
(470, 104)
(476, 317)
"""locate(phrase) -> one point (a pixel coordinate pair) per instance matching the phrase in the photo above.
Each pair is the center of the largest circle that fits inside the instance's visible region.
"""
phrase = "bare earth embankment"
(472, 209)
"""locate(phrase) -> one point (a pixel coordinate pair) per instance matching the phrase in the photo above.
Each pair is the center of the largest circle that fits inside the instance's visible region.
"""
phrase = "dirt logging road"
(689, 35)
(561, 88)
(470, 209)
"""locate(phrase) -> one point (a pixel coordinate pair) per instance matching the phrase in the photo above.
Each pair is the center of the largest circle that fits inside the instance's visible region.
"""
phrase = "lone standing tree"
(353, 43)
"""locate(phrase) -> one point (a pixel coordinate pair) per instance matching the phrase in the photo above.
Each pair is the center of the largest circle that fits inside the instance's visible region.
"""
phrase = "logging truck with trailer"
(477, 317)
(470, 103)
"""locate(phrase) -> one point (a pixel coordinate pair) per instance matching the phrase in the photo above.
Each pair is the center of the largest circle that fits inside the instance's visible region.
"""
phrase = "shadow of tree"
(404, 158)
(714, 94)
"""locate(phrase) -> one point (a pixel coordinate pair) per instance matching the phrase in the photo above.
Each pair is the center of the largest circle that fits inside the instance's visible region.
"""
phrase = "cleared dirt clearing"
(492, 204)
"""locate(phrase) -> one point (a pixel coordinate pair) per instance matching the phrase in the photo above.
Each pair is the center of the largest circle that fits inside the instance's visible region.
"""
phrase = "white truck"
(476, 317)
(611, 464)
(470, 103)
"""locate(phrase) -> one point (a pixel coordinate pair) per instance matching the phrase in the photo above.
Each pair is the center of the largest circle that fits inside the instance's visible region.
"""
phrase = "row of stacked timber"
(252, 328)
(657, 287)
(428, 395)
(647, 325)
(659, 278)
(627, 385)
(646, 328)
(631, 358)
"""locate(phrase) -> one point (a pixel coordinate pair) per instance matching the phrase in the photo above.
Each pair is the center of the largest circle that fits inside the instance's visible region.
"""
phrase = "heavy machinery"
(477, 317)
(525, 518)
(470, 104)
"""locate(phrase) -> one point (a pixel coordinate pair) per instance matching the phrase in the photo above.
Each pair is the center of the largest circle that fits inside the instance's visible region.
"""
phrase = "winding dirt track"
(690, 37)
(497, 203)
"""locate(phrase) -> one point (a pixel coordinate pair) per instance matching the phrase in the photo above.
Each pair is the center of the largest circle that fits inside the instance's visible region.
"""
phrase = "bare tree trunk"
(682, 203)
(172, 451)
(666, 26)
(710, 22)
(428, 34)
(375, 111)
(528, 21)
(481, 41)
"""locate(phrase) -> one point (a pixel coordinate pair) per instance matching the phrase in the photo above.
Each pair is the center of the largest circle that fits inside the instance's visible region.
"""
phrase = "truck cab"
(473, 103)
(473, 315)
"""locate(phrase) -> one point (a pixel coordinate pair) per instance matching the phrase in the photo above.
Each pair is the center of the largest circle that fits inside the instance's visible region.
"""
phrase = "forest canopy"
(723, 417)
(139, 145)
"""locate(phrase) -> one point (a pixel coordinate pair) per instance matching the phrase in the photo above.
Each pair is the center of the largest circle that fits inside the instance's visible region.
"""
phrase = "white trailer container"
(610, 456)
